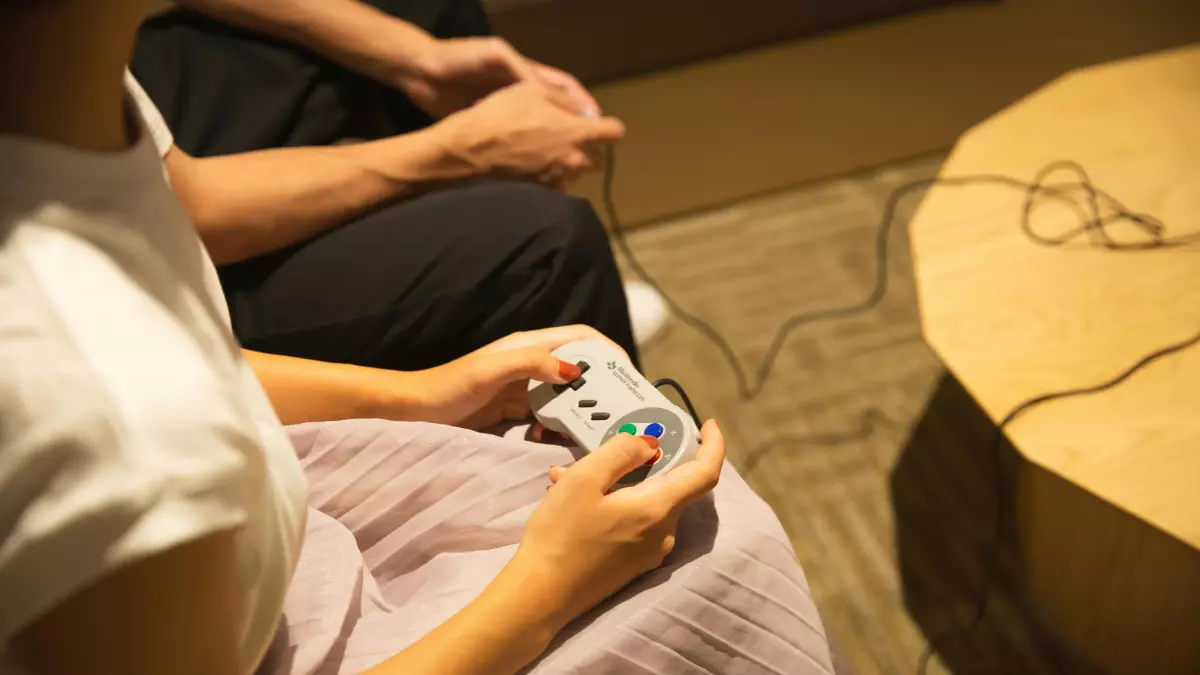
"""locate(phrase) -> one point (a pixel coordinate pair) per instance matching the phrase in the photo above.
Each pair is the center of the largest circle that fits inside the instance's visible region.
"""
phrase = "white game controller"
(611, 398)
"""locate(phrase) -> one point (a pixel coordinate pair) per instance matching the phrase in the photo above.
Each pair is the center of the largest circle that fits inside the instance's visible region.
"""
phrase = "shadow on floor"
(946, 494)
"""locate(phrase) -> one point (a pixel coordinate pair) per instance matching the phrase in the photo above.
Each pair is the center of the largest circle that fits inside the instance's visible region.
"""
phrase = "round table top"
(1012, 319)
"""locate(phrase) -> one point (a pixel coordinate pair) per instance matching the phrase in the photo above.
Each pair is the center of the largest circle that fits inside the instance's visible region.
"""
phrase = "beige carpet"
(744, 269)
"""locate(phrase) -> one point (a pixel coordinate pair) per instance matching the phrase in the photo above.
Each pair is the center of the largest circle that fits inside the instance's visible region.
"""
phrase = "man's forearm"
(253, 203)
(350, 32)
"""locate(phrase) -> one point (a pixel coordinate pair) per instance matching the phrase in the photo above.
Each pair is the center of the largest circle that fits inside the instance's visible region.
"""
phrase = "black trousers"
(415, 283)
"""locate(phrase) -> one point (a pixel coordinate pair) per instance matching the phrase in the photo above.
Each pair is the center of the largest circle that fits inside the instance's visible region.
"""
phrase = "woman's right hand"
(583, 543)
(527, 131)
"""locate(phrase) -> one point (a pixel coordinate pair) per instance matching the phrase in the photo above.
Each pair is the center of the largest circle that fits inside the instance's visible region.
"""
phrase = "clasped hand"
(507, 116)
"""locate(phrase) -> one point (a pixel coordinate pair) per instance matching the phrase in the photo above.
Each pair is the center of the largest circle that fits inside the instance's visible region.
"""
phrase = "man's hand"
(527, 132)
(449, 75)
(441, 76)
(490, 385)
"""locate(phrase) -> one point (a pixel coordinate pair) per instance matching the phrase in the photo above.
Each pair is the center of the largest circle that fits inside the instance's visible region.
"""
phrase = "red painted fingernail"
(650, 441)
(716, 424)
(568, 371)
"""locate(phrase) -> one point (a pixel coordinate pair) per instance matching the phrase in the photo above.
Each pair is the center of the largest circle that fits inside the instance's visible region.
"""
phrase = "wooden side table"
(1108, 502)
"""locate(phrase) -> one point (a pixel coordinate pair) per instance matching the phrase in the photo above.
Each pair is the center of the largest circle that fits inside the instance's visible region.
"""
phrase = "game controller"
(611, 398)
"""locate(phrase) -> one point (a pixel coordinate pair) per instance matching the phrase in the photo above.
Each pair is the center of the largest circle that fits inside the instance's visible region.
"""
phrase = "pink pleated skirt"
(409, 521)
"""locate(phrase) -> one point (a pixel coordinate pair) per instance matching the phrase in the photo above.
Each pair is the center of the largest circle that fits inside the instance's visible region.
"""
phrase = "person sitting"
(156, 518)
(447, 232)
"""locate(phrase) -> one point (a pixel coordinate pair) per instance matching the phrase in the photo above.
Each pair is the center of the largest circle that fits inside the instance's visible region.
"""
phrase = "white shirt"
(129, 422)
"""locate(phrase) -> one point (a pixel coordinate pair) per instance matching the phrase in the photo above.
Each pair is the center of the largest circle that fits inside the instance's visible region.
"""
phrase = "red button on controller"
(653, 443)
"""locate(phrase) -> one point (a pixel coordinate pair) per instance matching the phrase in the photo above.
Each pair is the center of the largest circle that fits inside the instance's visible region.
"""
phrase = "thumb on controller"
(528, 363)
(610, 462)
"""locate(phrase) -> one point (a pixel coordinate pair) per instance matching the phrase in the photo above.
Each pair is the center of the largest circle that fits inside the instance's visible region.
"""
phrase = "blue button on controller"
(654, 429)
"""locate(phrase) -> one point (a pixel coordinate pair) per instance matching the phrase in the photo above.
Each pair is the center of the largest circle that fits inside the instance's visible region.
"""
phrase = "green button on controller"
(627, 429)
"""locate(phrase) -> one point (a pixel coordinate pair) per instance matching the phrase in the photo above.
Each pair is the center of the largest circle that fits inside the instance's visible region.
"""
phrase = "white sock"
(647, 310)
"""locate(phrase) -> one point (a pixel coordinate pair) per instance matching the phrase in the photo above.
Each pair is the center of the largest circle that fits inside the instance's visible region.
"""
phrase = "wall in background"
(605, 40)
(708, 133)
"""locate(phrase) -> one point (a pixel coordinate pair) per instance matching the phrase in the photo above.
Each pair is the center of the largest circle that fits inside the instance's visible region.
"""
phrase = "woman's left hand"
(490, 385)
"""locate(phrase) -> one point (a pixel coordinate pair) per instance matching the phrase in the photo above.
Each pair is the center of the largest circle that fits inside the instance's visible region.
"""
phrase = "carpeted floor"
(849, 392)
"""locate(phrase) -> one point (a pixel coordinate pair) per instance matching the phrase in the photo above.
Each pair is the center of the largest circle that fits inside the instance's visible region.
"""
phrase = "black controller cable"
(1098, 211)
(668, 382)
